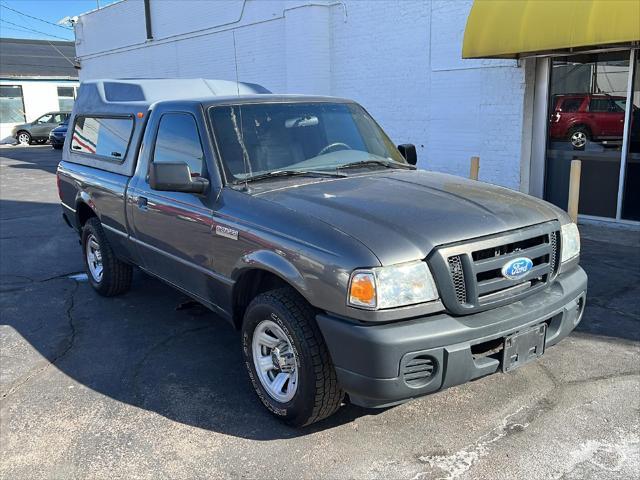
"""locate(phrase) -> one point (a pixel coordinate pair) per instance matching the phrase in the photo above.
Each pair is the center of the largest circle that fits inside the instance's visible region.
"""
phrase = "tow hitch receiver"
(523, 347)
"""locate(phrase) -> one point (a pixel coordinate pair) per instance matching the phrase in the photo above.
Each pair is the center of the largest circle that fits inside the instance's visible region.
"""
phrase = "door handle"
(142, 203)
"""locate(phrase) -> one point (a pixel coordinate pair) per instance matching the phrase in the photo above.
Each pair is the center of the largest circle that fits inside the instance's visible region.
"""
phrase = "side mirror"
(408, 151)
(175, 177)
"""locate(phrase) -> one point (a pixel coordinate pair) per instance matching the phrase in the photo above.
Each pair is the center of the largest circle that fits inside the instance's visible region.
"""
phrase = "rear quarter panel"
(104, 193)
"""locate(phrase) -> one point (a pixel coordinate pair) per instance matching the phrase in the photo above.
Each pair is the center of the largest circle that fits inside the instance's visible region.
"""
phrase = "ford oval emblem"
(517, 268)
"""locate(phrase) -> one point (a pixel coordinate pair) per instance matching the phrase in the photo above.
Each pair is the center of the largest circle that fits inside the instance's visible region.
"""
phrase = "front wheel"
(23, 138)
(107, 274)
(287, 359)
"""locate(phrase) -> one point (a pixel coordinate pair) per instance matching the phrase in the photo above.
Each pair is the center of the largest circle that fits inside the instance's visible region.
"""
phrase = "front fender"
(274, 263)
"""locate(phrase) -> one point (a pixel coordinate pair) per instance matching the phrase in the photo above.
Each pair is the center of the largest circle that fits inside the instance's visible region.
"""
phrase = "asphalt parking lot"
(139, 387)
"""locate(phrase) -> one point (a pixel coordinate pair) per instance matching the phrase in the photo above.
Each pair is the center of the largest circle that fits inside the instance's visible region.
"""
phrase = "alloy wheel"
(578, 139)
(94, 258)
(275, 361)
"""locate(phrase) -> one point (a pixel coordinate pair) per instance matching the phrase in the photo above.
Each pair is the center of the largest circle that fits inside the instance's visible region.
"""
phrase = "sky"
(46, 12)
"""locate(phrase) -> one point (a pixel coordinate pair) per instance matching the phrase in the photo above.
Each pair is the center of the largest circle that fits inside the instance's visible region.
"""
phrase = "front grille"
(470, 274)
(419, 370)
(508, 248)
(457, 275)
(554, 259)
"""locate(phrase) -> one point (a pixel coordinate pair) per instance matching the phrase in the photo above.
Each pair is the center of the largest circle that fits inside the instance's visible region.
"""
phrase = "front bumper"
(557, 130)
(372, 360)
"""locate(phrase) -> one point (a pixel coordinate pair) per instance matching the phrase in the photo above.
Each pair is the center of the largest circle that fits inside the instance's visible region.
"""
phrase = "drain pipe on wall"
(147, 19)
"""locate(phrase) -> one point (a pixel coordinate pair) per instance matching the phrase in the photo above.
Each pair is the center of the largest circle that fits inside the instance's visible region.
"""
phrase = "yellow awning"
(512, 28)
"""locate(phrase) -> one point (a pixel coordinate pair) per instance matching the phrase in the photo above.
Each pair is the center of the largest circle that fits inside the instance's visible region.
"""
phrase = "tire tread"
(117, 275)
(328, 395)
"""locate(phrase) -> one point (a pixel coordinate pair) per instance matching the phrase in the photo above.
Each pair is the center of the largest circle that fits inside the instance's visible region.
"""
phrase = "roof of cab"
(264, 98)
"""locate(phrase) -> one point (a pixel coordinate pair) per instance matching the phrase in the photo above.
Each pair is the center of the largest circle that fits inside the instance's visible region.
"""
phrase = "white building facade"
(400, 59)
(36, 77)
(26, 100)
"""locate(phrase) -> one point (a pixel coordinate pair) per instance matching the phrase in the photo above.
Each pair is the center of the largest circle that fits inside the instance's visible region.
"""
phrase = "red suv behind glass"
(581, 117)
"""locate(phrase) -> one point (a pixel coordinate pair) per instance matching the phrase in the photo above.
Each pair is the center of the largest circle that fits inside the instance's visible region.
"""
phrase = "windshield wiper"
(288, 173)
(384, 163)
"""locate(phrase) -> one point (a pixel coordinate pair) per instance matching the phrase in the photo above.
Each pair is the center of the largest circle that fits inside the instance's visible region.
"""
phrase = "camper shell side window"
(105, 136)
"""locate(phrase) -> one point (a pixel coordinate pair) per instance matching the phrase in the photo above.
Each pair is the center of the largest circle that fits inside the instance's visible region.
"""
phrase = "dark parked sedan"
(58, 134)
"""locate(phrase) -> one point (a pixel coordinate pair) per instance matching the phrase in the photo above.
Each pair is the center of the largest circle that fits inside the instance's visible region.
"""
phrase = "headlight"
(392, 286)
(570, 242)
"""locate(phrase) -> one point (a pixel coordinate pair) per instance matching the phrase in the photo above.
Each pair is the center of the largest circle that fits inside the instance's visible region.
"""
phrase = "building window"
(102, 136)
(66, 97)
(11, 104)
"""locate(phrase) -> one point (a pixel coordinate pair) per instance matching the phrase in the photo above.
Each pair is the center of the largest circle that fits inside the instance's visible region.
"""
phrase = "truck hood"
(401, 215)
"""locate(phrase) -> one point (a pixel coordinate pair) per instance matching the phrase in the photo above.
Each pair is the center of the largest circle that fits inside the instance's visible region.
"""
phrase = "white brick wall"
(380, 58)
(476, 105)
(401, 59)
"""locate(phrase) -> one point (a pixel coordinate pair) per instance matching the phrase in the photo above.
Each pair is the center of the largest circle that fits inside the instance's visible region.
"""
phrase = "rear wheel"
(287, 359)
(107, 274)
(24, 138)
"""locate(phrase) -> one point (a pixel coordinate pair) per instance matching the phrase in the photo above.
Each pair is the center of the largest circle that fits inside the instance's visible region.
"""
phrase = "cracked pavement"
(138, 386)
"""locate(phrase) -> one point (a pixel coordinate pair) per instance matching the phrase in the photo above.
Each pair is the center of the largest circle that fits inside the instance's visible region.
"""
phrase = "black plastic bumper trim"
(368, 359)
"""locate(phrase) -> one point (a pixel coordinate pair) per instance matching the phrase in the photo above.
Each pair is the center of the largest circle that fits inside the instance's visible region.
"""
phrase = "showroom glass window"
(587, 102)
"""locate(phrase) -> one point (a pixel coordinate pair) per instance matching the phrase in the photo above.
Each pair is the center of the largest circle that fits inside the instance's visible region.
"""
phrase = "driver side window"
(178, 141)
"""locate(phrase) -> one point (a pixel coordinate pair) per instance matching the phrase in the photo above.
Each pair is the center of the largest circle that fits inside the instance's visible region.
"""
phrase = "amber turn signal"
(362, 290)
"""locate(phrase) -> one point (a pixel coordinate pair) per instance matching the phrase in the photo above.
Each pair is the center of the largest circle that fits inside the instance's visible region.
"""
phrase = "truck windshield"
(255, 139)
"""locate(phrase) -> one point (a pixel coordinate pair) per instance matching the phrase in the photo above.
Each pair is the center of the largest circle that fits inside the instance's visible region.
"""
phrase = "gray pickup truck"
(351, 274)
